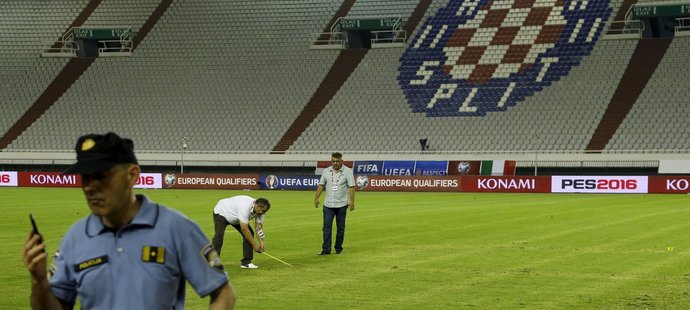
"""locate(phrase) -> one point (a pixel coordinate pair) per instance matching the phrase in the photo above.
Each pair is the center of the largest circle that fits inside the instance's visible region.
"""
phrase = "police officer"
(130, 252)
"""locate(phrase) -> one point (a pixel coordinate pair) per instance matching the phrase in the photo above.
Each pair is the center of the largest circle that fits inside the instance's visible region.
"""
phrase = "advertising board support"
(184, 147)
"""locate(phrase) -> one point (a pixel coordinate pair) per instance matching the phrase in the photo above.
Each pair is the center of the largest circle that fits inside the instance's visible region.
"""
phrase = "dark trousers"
(328, 215)
(219, 224)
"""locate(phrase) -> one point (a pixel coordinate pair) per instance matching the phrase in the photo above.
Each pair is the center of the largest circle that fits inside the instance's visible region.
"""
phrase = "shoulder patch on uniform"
(53, 266)
(153, 254)
(91, 262)
(211, 256)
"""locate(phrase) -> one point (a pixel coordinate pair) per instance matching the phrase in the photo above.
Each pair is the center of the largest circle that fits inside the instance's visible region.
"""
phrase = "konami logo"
(495, 183)
(677, 185)
(506, 184)
(48, 179)
(53, 179)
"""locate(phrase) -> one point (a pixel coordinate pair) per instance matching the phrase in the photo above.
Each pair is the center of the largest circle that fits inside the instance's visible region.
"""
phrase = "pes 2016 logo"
(478, 56)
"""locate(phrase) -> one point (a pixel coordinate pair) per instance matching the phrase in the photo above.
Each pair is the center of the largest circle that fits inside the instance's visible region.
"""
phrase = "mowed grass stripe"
(422, 250)
(598, 226)
(382, 292)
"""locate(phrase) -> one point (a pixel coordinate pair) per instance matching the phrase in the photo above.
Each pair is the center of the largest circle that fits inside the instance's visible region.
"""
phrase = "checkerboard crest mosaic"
(481, 56)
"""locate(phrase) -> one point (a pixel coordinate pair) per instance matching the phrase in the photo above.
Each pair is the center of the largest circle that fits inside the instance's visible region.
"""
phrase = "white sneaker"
(249, 266)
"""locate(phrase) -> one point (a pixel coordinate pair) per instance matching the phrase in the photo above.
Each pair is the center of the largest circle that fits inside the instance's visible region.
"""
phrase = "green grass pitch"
(419, 250)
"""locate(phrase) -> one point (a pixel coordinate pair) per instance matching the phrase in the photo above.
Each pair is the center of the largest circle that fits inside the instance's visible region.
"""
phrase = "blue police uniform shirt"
(144, 265)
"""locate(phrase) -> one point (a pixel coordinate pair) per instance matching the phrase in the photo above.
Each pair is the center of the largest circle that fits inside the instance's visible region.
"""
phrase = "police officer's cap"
(96, 153)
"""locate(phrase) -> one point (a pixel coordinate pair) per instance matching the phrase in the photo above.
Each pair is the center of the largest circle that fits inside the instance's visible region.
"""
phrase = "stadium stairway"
(647, 56)
(71, 72)
(150, 22)
(342, 12)
(83, 16)
(416, 16)
(345, 64)
(62, 82)
(645, 59)
(622, 12)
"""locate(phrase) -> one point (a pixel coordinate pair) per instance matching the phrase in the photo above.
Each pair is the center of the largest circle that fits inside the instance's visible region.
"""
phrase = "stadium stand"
(558, 118)
(128, 13)
(368, 8)
(232, 77)
(27, 27)
(658, 121)
(192, 79)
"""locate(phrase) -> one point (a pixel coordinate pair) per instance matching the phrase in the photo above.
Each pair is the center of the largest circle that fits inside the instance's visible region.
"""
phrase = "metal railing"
(335, 39)
(396, 37)
(68, 47)
(388, 37)
(683, 26)
(326, 40)
(631, 28)
(64, 49)
(121, 48)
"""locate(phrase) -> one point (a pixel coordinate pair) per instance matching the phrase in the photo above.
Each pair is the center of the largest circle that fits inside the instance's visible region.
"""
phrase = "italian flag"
(497, 167)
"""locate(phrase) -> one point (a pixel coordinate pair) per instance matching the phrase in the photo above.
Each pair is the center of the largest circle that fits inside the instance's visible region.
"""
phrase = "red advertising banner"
(669, 185)
(49, 179)
(57, 179)
(392, 183)
(507, 184)
(212, 181)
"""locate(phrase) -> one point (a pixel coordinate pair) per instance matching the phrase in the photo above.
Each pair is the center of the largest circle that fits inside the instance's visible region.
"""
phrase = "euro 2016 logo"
(464, 167)
(362, 181)
(478, 56)
(271, 181)
(169, 180)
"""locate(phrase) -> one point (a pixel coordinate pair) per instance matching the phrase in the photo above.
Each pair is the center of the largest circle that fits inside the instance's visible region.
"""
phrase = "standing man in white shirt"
(339, 183)
(237, 211)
